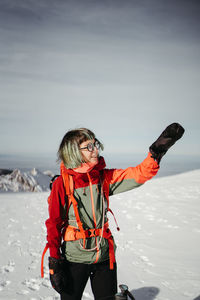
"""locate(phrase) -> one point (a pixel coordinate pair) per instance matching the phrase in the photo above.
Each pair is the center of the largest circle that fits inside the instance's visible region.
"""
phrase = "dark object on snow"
(5, 171)
(52, 180)
(57, 276)
(124, 294)
(167, 139)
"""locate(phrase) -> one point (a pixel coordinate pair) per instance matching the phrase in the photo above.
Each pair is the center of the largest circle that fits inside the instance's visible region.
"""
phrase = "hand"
(167, 139)
(57, 275)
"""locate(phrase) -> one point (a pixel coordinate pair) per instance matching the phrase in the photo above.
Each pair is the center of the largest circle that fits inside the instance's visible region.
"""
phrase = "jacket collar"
(98, 167)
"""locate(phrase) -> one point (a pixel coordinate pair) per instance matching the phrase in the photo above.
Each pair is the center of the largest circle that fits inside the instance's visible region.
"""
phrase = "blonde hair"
(69, 151)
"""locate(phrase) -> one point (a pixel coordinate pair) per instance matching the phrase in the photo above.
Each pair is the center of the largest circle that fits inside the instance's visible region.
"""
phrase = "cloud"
(122, 68)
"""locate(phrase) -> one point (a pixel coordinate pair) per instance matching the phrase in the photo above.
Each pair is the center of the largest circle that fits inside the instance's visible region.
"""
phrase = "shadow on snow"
(146, 293)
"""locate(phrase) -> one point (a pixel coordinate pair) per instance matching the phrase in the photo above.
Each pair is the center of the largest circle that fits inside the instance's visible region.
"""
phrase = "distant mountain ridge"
(24, 181)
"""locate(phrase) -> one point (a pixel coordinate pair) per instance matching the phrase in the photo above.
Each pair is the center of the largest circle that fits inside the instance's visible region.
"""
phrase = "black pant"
(103, 280)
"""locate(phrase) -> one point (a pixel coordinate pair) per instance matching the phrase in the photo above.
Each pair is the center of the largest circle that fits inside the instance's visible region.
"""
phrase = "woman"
(79, 239)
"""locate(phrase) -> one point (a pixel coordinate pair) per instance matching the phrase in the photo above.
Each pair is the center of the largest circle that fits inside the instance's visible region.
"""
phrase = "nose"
(95, 149)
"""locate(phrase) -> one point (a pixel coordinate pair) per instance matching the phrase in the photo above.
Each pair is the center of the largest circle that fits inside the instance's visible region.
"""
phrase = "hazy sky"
(125, 69)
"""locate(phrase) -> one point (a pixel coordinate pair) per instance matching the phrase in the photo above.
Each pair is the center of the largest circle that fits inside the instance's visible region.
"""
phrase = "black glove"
(57, 275)
(167, 138)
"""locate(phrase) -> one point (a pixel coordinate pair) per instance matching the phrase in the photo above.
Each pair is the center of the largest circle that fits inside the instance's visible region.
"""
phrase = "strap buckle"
(92, 232)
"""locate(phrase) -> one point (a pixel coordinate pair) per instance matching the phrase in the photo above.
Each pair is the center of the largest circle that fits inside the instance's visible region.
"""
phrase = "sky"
(124, 69)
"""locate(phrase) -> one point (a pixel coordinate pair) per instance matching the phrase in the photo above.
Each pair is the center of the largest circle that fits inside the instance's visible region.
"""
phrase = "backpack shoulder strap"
(52, 180)
(51, 186)
(69, 188)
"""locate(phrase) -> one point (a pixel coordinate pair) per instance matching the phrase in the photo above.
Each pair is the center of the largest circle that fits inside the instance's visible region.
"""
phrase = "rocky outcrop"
(19, 181)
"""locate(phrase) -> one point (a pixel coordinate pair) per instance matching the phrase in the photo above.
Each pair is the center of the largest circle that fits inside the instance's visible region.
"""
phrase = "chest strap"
(73, 234)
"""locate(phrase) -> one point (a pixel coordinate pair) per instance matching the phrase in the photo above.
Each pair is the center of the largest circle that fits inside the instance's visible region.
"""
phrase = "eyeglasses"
(90, 147)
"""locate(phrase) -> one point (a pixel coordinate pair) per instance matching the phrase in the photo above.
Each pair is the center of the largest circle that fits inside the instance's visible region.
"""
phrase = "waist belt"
(73, 234)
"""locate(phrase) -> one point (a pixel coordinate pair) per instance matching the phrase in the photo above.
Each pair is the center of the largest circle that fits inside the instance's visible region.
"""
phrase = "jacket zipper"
(94, 216)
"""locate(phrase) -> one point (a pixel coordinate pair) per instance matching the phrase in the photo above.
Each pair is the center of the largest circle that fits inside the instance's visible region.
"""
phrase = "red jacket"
(119, 180)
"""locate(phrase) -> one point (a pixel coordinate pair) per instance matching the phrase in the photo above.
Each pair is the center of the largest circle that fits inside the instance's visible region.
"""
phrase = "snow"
(27, 181)
(158, 244)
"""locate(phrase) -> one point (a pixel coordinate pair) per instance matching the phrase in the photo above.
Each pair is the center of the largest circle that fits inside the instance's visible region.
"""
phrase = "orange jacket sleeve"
(121, 180)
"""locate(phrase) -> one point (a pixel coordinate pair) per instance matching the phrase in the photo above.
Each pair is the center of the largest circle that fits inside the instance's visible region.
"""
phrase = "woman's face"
(89, 156)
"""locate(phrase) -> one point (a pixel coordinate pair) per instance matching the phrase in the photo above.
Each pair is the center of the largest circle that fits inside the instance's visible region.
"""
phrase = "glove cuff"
(156, 156)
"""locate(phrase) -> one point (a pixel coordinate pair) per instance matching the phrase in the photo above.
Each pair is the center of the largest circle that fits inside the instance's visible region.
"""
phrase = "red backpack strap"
(42, 260)
(65, 178)
(69, 187)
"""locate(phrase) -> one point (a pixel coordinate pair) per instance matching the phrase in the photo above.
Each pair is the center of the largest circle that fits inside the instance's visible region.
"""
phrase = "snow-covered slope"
(29, 181)
(158, 244)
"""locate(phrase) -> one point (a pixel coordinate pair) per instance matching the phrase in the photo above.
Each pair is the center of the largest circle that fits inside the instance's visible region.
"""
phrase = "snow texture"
(158, 244)
(30, 181)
